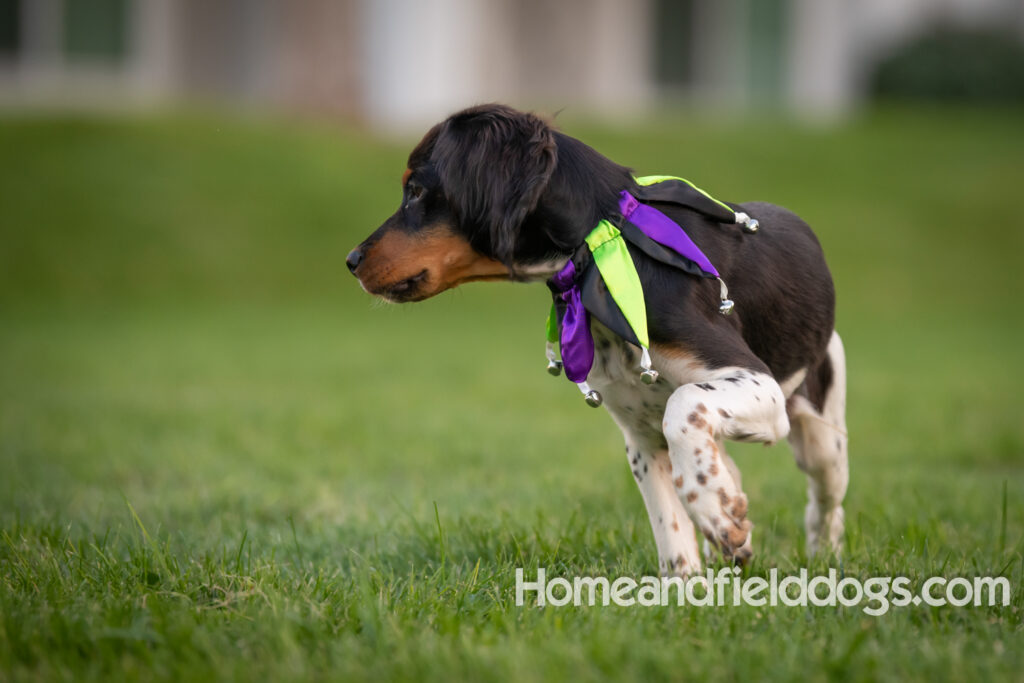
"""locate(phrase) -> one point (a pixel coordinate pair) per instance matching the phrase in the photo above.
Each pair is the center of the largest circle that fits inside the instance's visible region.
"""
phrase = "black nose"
(354, 257)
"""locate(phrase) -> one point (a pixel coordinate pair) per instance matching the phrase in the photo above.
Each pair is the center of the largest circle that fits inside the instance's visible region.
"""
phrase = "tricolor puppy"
(638, 269)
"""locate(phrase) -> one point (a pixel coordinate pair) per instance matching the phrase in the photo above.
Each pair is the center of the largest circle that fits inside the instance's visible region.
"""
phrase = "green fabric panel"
(553, 325)
(653, 179)
(618, 272)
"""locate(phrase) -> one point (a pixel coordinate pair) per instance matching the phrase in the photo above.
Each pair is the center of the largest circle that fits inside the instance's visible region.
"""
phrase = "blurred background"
(400, 64)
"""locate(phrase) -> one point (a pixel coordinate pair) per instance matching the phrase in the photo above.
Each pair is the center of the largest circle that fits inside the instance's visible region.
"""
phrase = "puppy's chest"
(637, 407)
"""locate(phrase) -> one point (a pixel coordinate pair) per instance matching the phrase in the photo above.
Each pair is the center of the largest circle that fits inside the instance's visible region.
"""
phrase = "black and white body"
(495, 194)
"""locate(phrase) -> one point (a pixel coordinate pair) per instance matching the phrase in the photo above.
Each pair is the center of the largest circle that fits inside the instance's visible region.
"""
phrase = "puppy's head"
(469, 187)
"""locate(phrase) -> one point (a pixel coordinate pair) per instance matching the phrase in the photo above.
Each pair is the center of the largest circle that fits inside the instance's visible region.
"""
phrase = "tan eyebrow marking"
(405, 176)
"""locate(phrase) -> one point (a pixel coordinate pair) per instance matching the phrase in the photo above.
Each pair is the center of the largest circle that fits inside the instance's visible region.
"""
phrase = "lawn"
(220, 459)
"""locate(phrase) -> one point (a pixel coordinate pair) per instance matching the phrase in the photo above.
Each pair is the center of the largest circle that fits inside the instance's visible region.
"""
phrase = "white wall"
(428, 58)
(821, 68)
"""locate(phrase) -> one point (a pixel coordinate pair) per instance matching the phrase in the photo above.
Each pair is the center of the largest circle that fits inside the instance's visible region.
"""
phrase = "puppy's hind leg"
(819, 441)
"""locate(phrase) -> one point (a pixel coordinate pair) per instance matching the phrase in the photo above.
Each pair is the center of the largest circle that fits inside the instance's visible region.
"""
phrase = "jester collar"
(601, 280)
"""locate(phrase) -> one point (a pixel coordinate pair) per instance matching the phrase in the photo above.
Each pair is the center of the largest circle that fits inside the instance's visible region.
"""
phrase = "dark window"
(96, 29)
(673, 43)
(10, 24)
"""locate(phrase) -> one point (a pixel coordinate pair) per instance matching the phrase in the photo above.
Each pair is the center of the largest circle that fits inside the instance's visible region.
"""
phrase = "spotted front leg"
(673, 531)
(741, 405)
(745, 551)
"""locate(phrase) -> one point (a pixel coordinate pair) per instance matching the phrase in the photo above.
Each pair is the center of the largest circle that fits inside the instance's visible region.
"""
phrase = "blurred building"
(401, 63)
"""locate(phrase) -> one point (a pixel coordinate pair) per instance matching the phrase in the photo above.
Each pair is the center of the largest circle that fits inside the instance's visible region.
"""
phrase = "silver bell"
(593, 399)
(554, 367)
(725, 308)
(649, 376)
(751, 226)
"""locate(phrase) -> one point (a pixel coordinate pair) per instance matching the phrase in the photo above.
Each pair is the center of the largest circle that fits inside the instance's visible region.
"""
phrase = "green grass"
(220, 460)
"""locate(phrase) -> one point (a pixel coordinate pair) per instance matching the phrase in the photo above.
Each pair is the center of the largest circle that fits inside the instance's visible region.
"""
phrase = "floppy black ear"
(494, 163)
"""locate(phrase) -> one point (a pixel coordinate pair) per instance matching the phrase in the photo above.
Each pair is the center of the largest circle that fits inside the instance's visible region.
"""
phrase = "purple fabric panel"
(566, 277)
(663, 230)
(575, 341)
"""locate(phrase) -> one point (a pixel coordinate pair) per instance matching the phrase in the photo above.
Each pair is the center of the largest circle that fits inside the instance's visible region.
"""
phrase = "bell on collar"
(750, 225)
(649, 374)
(554, 365)
(725, 308)
(591, 396)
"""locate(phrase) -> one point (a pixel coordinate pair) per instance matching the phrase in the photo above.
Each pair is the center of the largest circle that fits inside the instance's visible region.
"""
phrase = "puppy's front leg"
(738, 404)
(674, 535)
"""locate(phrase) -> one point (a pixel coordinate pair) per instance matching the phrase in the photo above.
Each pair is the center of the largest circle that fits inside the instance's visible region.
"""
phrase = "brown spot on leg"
(678, 481)
(742, 556)
(675, 525)
(735, 536)
(691, 496)
(739, 507)
(701, 479)
(696, 420)
(724, 413)
(702, 408)
(713, 469)
(723, 497)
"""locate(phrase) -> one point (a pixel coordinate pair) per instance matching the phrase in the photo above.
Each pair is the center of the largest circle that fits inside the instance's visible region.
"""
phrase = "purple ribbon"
(574, 339)
(662, 230)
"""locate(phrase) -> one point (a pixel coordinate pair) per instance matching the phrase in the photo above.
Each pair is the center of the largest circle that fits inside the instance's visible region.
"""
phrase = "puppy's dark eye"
(413, 191)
